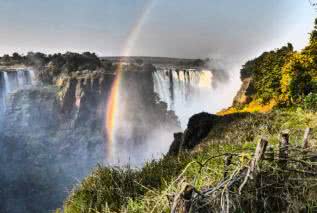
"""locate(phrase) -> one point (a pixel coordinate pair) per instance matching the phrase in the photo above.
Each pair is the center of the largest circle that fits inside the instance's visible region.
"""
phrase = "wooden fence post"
(258, 156)
(305, 140)
(259, 153)
(283, 148)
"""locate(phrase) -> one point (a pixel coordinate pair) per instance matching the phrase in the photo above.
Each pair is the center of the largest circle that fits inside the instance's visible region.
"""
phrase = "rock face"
(83, 96)
(26, 106)
(242, 96)
(42, 153)
(198, 128)
(176, 145)
(53, 134)
(142, 120)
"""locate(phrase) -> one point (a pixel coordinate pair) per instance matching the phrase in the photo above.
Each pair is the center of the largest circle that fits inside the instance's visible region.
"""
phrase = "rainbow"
(112, 105)
(113, 98)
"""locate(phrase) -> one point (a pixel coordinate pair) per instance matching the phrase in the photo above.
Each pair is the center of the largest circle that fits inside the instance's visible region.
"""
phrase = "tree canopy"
(284, 75)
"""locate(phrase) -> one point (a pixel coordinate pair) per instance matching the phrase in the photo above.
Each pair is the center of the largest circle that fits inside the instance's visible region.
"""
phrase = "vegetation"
(148, 189)
(283, 80)
(282, 77)
(50, 66)
(113, 187)
(193, 63)
(266, 73)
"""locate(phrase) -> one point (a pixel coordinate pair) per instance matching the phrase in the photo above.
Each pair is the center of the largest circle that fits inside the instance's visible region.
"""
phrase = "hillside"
(276, 104)
(279, 78)
(146, 189)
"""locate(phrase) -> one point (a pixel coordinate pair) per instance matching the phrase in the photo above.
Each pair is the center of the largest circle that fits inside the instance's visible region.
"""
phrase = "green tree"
(266, 73)
(16, 56)
(313, 34)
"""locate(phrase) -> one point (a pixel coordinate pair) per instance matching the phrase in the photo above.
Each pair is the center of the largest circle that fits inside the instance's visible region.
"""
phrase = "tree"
(297, 78)
(313, 34)
(266, 73)
(6, 58)
(16, 56)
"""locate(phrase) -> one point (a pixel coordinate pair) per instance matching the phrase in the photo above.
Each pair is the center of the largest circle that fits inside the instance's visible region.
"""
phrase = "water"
(185, 91)
(6, 82)
(144, 132)
(142, 129)
(11, 81)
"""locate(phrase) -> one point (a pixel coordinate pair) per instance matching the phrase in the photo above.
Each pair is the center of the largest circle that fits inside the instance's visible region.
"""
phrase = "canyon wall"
(52, 128)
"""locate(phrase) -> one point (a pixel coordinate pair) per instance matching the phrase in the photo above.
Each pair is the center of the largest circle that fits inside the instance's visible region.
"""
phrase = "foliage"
(50, 66)
(313, 34)
(193, 62)
(113, 187)
(297, 78)
(266, 73)
(148, 189)
(310, 101)
(283, 76)
(279, 77)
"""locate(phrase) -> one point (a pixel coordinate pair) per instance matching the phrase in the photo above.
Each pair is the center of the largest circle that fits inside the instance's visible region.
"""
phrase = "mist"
(52, 114)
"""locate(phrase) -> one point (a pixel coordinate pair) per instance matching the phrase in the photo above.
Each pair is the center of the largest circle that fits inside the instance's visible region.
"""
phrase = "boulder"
(198, 128)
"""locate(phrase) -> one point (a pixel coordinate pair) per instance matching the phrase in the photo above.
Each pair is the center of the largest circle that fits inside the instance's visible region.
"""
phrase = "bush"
(310, 102)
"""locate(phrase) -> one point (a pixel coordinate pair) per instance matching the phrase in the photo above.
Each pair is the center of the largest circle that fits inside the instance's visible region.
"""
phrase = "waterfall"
(32, 78)
(185, 91)
(6, 82)
(24, 78)
(12, 81)
(2, 93)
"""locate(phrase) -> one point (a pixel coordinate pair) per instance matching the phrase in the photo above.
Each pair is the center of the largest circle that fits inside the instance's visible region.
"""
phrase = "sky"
(234, 29)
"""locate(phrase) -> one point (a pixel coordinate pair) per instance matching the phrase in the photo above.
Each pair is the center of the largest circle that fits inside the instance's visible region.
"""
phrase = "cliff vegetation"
(279, 78)
(219, 163)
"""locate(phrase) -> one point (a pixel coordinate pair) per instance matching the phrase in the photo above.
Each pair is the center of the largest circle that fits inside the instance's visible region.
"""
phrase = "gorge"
(54, 118)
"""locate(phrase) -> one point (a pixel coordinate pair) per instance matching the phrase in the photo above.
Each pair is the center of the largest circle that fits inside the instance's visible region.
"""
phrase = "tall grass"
(148, 189)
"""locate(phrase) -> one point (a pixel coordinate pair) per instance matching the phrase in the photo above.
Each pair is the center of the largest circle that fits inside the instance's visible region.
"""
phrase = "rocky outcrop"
(66, 94)
(199, 127)
(83, 94)
(242, 97)
(176, 145)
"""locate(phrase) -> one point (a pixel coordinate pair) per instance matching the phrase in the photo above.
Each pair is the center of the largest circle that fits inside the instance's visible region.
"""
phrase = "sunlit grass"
(148, 189)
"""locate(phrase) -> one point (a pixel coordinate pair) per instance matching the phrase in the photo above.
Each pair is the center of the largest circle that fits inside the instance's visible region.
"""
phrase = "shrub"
(310, 102)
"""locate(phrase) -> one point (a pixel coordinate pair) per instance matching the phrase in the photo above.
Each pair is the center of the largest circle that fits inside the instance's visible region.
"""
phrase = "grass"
(113, 187)
(148, 189)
